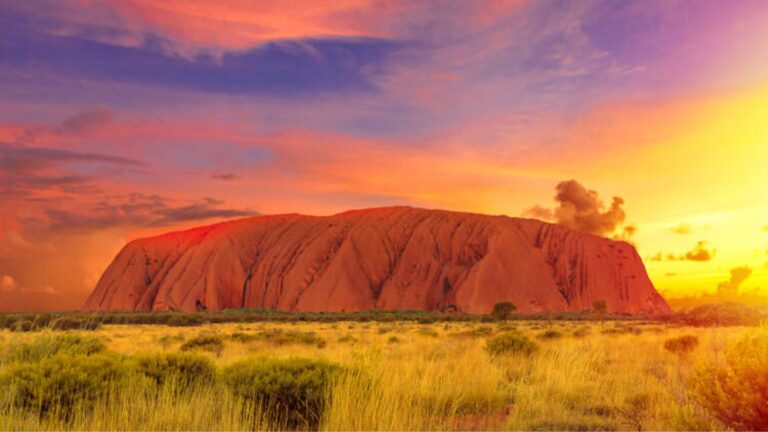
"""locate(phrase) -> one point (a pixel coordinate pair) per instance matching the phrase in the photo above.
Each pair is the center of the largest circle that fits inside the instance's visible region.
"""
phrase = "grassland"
(398, 375)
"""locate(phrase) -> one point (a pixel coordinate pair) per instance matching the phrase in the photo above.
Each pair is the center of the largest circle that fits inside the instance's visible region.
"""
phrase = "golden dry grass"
(433, 377)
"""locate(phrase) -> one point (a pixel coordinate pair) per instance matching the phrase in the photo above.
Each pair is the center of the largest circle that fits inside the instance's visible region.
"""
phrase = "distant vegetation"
(410, 374)
(723, 314)
(22, 322)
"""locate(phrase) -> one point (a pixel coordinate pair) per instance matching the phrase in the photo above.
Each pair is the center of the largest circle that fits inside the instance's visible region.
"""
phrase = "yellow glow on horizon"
(700, 161)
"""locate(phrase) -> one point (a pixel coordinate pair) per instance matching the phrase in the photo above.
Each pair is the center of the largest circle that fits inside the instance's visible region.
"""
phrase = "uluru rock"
(387, 258)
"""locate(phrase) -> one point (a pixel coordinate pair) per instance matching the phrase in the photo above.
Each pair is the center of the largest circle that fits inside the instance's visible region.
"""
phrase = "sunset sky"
(120, 119)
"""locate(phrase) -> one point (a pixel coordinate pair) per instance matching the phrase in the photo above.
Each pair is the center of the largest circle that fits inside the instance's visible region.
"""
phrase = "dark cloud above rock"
(139, 210)
(24, 170)
(80, 123)
(86, 120)
(225, 176)
(582, 209)
(23, 158)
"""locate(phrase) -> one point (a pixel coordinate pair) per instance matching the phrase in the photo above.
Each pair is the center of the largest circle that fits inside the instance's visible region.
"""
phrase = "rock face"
(387, 258)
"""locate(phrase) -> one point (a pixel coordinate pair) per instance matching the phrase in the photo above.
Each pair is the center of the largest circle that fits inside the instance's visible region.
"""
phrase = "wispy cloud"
(701, 252)
(140, 211)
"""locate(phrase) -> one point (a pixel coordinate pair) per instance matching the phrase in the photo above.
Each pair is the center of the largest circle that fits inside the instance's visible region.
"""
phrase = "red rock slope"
(387, 258)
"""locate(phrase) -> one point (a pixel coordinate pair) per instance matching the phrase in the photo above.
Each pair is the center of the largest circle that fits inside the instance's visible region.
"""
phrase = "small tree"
(600, 307)
(503, 310)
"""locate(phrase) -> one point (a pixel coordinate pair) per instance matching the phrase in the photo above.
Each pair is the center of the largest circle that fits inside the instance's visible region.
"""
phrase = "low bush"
(167, 340)
(45, 346)
(242, 337)
(182, 368)
(204, 342)
(510, 343)
(292, 391)
(347, 339)
(183, 320)
(23, 326)
(66, 323)
(282, 337)
(505, 327)
(482, 331)
(41, 321)
(550, 334)
(428, 332)
(426, 319)
(581, 332)
(393, 340)
(56, 385)
(736, 391)
(681, 345)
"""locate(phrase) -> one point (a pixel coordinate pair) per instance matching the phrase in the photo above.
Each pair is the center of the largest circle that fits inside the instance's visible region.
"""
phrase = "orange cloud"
(701, 252)
(243, 24)
(682, 228)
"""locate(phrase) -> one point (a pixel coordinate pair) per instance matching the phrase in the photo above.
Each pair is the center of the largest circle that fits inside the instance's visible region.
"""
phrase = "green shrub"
(56, 385)
(292, 391)
(167, 340)
(45, 346)
(182, 368)
(22, 326)
(482, 331)
(210, 343)
(506, 327)
(581, 332)
(503, 310)
(550, 334)
(41, 321)
(630, 329)
(510, 343)
(183, 320)
(428, 332)
(67, 323)
(426, 320)
(242, 337)
(681, 345)
(734, 391)
(634, 413)
(282, 337)
(347, 339)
